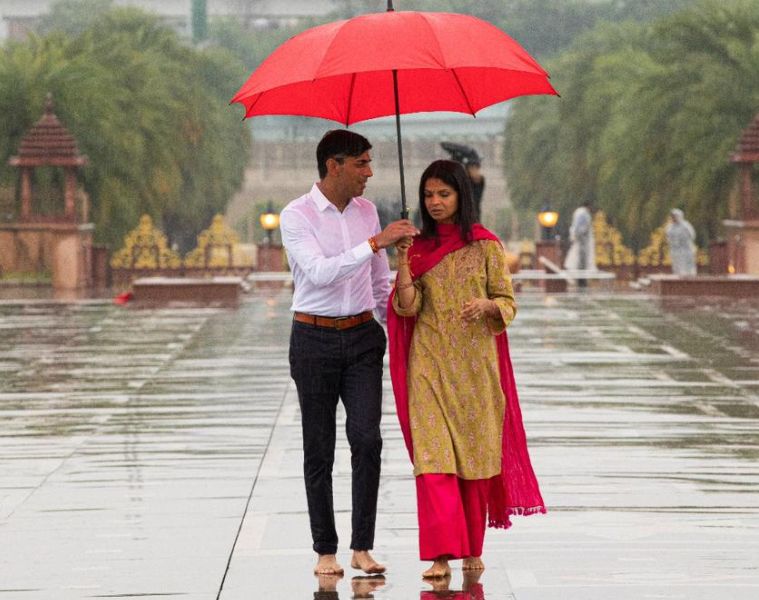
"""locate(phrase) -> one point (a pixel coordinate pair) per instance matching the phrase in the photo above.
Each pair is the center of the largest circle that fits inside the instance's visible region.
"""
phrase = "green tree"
(150, 111)
(543, 27)
(251, 47)
(644, 123)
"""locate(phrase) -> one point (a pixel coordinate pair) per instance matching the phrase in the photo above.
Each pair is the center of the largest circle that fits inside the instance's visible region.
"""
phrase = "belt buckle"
(338, 319)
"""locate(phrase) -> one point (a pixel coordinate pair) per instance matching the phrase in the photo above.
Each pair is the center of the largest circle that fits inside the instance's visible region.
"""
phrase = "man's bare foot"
(364, 561)
(328, 583)
(363, 587)
(438, 569)
(473, 563)
(327, 565)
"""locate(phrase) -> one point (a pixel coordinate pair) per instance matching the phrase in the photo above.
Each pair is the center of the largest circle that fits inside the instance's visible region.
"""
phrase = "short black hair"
(451, 173)
(339, 144)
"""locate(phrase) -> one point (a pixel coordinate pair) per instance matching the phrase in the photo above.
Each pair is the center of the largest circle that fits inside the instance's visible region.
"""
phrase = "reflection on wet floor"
(157, 453)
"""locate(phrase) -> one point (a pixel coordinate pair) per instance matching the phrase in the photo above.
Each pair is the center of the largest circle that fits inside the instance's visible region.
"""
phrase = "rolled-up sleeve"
(302, 247)
(380, 280)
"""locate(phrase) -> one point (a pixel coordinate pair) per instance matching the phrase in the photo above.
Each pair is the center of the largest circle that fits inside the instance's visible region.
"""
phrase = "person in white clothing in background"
(682, 244)
(582, 252)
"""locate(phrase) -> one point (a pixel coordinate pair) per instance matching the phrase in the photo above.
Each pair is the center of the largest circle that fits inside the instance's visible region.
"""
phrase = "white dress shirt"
(335, 272)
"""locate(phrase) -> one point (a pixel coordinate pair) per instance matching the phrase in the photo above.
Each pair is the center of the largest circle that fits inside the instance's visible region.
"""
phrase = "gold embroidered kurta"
(456, 405)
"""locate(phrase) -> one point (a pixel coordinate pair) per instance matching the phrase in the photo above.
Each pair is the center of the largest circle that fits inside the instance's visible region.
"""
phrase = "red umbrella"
(388, 63)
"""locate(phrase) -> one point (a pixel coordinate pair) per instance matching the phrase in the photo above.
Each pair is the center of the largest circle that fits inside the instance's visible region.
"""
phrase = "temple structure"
(58, 243)
(743, 230)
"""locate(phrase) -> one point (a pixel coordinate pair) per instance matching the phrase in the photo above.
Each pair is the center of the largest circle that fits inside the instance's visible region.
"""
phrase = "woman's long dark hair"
(451, 173)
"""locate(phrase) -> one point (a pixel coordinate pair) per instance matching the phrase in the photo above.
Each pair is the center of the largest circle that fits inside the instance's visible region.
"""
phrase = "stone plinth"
(550, 250)
(62, 249)
(719, 262)
(211, 291)
(735, 286)
(270, 258)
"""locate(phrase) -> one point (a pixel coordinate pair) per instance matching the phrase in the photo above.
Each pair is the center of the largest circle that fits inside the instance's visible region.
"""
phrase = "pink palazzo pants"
(452, 515)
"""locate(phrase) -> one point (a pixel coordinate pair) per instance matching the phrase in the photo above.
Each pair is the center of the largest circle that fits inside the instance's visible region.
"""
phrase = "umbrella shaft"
(404, 208)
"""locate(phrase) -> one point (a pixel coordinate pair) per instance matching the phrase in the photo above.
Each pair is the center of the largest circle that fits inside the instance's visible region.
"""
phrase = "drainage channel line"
(252, 489)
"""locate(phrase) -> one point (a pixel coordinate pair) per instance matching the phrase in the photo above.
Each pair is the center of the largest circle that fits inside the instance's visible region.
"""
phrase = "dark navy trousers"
(330, 365)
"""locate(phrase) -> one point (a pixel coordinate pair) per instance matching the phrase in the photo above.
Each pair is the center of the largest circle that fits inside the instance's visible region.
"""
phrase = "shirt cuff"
(362, 252)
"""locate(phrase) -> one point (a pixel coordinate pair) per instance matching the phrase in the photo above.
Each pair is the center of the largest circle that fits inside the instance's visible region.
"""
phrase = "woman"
(452, 377)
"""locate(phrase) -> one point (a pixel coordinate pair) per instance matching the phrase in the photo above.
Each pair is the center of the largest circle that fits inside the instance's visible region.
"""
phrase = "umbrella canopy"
(343, 71)
(388, 63)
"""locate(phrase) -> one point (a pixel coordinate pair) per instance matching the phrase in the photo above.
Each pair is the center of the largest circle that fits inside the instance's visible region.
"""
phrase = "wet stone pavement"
(156, 453)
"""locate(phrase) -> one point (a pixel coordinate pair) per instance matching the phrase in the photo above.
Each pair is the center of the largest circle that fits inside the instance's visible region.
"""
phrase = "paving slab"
(156, 452)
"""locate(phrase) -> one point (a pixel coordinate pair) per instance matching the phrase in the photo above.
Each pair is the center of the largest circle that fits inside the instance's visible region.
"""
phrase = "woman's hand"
(403, 244)
(477, 309)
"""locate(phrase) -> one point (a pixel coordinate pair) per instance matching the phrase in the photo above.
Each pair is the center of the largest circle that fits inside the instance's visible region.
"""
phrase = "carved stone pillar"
(69, 194)
(26, 193)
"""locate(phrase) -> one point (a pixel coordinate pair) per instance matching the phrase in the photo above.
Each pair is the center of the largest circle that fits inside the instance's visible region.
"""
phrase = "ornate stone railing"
(146, 253)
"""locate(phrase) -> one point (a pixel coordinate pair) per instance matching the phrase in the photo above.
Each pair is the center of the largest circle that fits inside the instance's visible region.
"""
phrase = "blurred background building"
(20, 16)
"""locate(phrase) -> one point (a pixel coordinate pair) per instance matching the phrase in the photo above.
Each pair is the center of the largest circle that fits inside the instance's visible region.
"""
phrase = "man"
(341, 276)
(474, 170)
(472, 161)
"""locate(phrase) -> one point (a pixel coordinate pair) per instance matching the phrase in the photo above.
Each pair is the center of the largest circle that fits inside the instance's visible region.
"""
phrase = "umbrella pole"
(404, 208)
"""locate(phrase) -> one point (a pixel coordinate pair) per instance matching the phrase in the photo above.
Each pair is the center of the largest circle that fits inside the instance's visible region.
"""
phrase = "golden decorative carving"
(702, 257)
(145, 247)
(656, 254)
(610, 250)
(216, 247)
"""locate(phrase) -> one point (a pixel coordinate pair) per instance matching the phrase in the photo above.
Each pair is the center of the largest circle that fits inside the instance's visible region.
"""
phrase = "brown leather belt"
(334, 322)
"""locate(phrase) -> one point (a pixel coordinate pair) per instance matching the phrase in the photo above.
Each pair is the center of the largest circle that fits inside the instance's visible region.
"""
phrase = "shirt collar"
(321, 201)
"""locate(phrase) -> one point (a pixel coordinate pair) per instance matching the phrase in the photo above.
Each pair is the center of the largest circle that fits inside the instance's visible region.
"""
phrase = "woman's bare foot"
(471, 579)
(327, 565)
(473, 563)
(364, 561)
(440, 585)
(438, 569)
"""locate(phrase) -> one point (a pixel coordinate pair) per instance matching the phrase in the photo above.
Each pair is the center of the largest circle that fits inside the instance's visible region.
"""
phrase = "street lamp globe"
(548, 218)
(269, 221)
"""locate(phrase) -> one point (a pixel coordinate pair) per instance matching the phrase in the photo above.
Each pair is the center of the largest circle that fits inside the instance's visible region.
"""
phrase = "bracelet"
(404, 286)
(373, 245)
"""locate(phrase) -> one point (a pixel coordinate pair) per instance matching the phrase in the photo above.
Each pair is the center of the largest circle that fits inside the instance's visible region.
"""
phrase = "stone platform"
(734, 286)
(203, 291)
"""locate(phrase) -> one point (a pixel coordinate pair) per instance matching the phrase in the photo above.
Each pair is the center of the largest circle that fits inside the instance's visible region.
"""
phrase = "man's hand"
(395, 231)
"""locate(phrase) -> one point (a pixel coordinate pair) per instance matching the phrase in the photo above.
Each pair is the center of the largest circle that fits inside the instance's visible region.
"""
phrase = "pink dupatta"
(516, 490)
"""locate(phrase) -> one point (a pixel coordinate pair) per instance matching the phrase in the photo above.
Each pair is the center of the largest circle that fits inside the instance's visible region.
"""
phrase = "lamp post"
(270, 256)
(547, 219)
(269, 221)
(548, 249)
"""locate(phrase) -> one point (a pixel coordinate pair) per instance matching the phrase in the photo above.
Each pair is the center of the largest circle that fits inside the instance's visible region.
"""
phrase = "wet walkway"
(156, 453)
